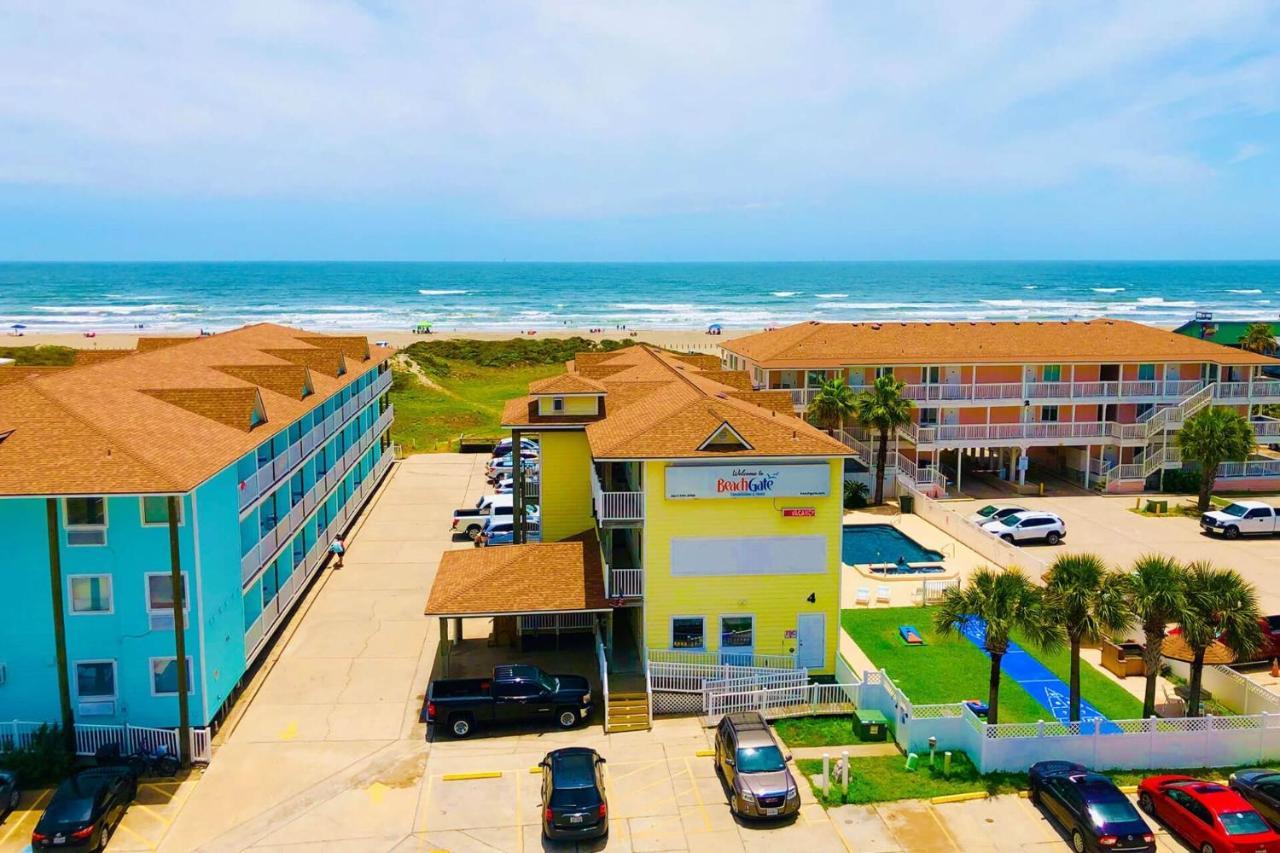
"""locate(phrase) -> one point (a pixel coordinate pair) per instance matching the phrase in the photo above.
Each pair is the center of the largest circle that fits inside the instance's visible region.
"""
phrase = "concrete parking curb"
(959, 798)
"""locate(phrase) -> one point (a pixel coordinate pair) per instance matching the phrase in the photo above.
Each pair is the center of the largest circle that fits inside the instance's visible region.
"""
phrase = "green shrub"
(43, 761)
(44, 356)
(516, 351)
(855, 494)
(1183, 481)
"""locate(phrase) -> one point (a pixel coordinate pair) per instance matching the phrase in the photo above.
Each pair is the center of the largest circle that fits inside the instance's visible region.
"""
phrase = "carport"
(545, 592)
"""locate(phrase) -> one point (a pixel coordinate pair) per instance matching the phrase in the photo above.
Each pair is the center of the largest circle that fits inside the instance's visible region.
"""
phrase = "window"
(85, 520)
(883, 371)
(96, 687)
(736, 632)
(90, 593)
(164, 677)
(1146, 373)
(1052, 373)
(929, 375)
(557, 404)
(928, 417)
(1049, 414)
(160, 600)
(688, 632)
(155, 510)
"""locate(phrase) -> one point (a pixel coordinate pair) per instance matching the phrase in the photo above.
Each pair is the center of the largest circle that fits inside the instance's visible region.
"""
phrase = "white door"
(811, 629)
(953, 375)
(951, 416)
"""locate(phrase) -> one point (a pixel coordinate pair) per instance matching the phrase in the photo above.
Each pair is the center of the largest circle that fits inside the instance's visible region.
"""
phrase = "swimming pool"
(908, 570)
(883, 543)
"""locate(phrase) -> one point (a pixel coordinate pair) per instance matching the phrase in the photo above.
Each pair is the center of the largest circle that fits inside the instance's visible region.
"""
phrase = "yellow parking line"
(519, 826)
(147, 810)
(705, 753)
(32, 811)
(950, 839)
(642, 766)
(120, 827)
(697, 795)
(465, 777)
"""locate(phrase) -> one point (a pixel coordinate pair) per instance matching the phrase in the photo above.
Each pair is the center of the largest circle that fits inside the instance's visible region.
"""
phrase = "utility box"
(870, 725)
(907, 503)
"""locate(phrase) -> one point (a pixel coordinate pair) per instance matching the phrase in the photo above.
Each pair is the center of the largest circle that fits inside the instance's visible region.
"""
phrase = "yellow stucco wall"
(588, 405)
(565, 484)
(774, 600)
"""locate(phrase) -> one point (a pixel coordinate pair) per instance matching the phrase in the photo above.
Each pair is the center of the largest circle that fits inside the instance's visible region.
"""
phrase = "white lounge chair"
(863, 597)
(883, 595)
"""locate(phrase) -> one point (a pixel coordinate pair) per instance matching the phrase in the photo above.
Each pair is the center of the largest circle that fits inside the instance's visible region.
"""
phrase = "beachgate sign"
(748, 481)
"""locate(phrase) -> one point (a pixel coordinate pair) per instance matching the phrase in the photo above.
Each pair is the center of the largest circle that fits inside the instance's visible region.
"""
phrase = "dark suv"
(754, 767)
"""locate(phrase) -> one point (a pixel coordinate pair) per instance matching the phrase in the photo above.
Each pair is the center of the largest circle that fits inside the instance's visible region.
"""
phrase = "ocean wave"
(831, 295)
(1030, 286)
(786, 293)
(1003, 303)
(443, 292)
(1246, 291)
(102, 310)
(1107, 289)
(658, 306)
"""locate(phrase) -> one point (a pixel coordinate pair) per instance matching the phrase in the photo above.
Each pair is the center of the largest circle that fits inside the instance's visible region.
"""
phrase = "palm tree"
(1220, 606)
(1155, 595)
(883, 408)
(832, 404)
(1084, 596)
(1007, 601)
(1209, 438)
(1259, 338)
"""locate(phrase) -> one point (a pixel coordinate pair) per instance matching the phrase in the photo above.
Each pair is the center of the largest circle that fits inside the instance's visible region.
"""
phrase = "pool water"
(883, 543)
(908, 570)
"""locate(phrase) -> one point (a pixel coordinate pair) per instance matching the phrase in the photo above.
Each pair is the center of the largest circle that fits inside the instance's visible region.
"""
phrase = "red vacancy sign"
(799, 512)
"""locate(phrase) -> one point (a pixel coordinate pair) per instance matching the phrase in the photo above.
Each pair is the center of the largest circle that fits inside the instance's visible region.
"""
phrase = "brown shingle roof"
(663, 406)
(106, 428)
(541, 577)
(17, 372)
(97, 356)
(287, 379)
(566, 383)
(234, 407)
(151, 344)
(330, 362)
(838, 344)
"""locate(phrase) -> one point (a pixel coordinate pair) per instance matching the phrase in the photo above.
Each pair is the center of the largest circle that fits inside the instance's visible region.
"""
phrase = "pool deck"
(958, 560)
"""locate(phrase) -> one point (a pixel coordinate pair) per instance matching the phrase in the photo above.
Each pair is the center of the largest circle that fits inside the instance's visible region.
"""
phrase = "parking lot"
(1105, 525)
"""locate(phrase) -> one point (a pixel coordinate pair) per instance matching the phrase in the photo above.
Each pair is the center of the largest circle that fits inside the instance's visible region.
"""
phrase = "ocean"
(105, 297)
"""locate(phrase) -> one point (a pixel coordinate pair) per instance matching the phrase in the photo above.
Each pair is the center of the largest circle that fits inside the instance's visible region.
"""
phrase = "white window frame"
(111, 595)
(720, 634)
(671, 633)
(68, 527)
(151, 674)
(557, 404)
(142, 512)
(115, 680)
(153, 612)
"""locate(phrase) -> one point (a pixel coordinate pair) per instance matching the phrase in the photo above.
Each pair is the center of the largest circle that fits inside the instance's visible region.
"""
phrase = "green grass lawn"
(468, 400)
(882, 778)
(954, 669)
(49, 356)
(820, 731)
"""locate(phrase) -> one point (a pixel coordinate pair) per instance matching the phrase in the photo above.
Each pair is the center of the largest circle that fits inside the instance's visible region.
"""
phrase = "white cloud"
(568, 109)
(1247, 151)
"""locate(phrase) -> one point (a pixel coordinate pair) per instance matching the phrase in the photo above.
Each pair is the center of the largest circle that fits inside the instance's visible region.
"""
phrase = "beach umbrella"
(18, 326)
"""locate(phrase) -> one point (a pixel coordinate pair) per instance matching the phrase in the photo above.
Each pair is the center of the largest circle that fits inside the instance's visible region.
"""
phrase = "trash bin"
(870, 725)
(907, 503)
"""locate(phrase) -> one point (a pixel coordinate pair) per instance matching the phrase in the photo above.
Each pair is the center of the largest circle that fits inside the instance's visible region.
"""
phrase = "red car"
(1209, 817)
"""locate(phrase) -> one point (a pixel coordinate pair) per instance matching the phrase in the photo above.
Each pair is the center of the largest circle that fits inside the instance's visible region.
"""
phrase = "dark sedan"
(1261, 788)
(85, 809)
(573, 801)
(1089, 806)
(9, 793)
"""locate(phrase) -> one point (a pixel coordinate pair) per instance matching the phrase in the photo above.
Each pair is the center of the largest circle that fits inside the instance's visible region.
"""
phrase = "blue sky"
(599, 131)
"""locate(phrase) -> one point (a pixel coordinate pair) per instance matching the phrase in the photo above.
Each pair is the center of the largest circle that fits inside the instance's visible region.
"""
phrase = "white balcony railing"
(1254, 468)
(626, 583)
(275, 538)
(274, 470)
(272, 611)
(615, 506)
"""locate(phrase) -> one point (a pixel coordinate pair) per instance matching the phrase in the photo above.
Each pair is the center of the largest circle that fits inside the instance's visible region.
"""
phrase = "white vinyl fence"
(17, 734)
(1232, 689)
(989, 547)
(1131, 744)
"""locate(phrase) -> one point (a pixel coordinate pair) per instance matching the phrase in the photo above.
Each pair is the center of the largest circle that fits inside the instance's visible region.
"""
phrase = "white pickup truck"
(1242, 518)
(471, 521)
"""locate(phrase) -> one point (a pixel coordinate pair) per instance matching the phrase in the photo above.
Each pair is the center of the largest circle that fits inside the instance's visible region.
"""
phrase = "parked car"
(506, 485)
(1206, 815)
(1269, 626)
(530, 457)
(85, 809)
(470, 520)
(1094, 812)
(754, 768)
(10, 793)
(501, 530)
(1028, 527)
(1242, 518)
(573, 800)
(1261, 787)
(503, 447)
(991, 512)
(516, 693)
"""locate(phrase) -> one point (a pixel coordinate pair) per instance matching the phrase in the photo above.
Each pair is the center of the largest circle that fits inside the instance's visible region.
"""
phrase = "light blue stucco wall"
(212, 538)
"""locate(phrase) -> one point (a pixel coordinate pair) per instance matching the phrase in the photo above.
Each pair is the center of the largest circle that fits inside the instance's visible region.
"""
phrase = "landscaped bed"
(820, 731)
(953, 669)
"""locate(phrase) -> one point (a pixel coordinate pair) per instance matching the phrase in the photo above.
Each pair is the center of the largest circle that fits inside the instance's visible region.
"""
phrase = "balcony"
(615, 507)
(1016, 392)
(278, 536)
(626, 583)
(260, 630)
(271, 472)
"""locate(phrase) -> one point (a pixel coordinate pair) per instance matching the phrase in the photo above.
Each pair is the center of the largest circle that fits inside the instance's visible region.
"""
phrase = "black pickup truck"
(515, 694)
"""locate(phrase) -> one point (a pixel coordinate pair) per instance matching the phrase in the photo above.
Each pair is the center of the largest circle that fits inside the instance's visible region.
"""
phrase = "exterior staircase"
(1160, 452)
(627, 712)
(902, 467)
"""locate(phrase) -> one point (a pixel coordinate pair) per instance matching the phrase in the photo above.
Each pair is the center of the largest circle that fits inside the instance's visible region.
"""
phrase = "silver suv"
(1028, 526)
(755, 768)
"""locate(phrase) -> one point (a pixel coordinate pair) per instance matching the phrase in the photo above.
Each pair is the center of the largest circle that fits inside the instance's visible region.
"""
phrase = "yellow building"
(717, 510)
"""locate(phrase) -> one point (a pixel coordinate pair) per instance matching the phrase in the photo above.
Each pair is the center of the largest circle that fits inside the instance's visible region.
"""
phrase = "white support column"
(1022, 472)
(1088, 460)
(959, 468)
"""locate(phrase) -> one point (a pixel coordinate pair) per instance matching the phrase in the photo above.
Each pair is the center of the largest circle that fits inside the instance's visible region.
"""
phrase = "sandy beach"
(683, 339)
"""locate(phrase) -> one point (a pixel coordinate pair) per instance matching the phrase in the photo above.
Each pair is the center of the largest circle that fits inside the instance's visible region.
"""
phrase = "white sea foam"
(830, 295)
(1003, 303)
(1245, 291)
(1107, 289)
(102, 310)
(443, 292)
(785, 293)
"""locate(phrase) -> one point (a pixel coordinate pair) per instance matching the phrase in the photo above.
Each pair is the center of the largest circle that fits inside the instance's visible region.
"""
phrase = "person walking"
(339, 549)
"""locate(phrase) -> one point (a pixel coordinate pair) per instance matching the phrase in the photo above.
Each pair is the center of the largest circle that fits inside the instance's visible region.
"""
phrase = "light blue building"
(271, 439)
